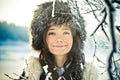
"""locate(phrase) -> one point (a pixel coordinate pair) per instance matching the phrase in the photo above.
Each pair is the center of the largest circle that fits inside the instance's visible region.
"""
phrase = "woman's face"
(59, 40)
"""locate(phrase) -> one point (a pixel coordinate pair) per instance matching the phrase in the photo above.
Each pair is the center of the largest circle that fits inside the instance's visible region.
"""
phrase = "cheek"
(69, 41)
(49, 41)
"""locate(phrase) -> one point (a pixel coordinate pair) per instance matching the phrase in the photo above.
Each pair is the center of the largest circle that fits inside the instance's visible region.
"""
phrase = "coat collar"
(34, 70)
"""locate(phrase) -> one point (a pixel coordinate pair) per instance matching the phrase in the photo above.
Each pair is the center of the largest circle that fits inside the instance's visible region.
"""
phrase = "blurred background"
(15, 18)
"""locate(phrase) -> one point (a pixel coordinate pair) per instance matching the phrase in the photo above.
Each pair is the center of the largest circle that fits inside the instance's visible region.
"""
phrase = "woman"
(60, 41)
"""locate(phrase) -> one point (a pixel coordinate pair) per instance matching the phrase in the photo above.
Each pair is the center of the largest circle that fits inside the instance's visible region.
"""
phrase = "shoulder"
(90, 72)
(33, 68)
(33, 62)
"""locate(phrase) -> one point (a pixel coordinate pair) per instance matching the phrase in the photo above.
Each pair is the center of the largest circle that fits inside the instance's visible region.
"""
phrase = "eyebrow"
(62, 29)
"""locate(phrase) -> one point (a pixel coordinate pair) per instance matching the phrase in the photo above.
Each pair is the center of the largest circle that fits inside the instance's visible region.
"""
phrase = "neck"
(60, 60)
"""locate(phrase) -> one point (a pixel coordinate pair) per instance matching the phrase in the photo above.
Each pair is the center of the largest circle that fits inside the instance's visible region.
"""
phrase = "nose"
(59, 39)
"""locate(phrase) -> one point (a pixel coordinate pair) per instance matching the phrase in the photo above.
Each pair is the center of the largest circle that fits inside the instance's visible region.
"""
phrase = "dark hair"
(43, 19)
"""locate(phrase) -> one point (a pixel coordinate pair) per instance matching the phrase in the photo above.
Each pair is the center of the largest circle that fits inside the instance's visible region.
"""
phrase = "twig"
(118, 28)
(103, 72)
(111, 11)
(10, 77)
(29, 69)
(53, 10)
(95, 46)
(117, 60)
(25, 78)
(92, 10)
(116, 1)
(101, 23)
(100, 60)
(104, 32)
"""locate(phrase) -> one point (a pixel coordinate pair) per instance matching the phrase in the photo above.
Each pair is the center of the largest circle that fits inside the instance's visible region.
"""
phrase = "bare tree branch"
(101, 24)
(111, 11)
(92, 10)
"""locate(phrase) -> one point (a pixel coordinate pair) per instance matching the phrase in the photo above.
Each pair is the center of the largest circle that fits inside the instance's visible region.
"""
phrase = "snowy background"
(14, 41)
(15, 47)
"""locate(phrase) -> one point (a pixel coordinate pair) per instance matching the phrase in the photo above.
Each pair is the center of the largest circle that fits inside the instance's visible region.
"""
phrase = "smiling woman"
(18, 11)
(59, 40)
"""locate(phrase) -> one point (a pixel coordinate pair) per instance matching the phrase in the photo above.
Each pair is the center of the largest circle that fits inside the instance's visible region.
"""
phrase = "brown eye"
(51, 33)
(66, 33)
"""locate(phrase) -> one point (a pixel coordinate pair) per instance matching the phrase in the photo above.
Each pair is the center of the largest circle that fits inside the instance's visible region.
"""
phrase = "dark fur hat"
(43, 18)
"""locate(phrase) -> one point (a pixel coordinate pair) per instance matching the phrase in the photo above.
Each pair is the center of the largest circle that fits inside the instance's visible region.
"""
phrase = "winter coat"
(33, 70)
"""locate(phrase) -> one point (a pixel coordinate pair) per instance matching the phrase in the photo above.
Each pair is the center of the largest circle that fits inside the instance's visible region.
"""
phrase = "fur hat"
(43, 18)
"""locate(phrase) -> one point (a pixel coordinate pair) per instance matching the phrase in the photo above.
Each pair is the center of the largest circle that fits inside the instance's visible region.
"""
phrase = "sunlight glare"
(18, 11)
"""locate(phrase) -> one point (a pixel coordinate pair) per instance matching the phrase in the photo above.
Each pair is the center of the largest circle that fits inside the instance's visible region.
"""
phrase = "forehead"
(63, 27)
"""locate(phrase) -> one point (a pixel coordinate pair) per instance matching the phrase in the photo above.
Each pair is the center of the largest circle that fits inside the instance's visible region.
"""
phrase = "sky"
(18, 11)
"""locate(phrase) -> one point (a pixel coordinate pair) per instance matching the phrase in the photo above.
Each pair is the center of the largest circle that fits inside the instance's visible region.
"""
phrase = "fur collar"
(33, 70)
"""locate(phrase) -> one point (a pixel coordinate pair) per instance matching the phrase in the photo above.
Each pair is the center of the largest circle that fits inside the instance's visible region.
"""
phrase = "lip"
(59, 46)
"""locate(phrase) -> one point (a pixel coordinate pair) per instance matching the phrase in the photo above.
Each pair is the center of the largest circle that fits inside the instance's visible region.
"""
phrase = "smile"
(59, 46)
